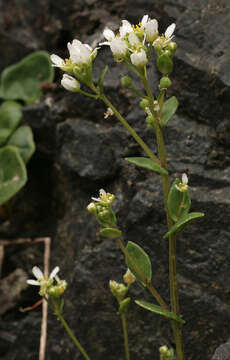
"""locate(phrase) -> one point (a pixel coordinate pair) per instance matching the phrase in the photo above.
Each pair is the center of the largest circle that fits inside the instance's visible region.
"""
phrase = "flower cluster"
(47, 285)
(101, 208)
(132, 44)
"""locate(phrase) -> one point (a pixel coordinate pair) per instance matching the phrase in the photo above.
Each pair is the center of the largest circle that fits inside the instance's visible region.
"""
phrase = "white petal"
(108, 34)
(33, 282)
(125, 28)
(37, 273)
(102, 192)
(56, 60)
(184, 179)
(144, 20)
(54, 272)
(133, 39)
(105, 43)
(170, 30)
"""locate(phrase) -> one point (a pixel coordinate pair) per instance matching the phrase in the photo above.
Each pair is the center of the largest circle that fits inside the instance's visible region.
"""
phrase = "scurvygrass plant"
(132, 46)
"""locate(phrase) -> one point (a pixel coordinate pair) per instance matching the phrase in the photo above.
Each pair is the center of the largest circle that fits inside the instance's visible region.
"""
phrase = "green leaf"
(23, 80)
(178, 202)
(159, 310)
(13, 173)
(138, 262)
(168, 110)
(185, 220)
(147, 163)
(10, 117)
(101, 79)
(111, 233)
(22, 138)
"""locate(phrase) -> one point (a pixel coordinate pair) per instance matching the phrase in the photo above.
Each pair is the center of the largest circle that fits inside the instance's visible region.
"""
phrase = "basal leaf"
(22, 138)
(10, 117)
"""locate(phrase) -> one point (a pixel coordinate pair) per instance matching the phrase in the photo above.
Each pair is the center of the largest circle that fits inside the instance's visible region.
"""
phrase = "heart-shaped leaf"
(139, 263)
(22, 138)
(185, 220)
(13, 173)
(23, 80)
(147, 163)
(10, 117)
(159, 310)
(168, 110)
(178, 202)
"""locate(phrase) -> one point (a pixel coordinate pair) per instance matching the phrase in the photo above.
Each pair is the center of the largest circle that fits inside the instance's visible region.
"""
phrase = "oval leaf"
(139, 263)
(178, 202)
(111, 233)
(10, 117)
(185, 220)
(168, 110)
(148, 164)
(159, 310)
(22, 138)
(101, 79)
(13, 173)
(23, 80)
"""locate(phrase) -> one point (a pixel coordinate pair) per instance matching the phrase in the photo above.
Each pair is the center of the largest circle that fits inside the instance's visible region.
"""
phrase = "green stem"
(149, 286)
(69, 331)
(145, 147)
(174, 299)
(88, 94)
(137, 92)
(125, 333)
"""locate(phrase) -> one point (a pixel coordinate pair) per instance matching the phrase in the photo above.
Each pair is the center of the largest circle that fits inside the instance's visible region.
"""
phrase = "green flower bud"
(150, 121)
(165, 82)
(144, 103)
(118, 290)
(164, 64)
(126, 81)
(92, 208)
(172, 46)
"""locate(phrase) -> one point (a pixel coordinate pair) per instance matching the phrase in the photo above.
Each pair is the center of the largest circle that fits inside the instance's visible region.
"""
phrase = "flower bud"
(129, 278)
(158, 49)
(151, 30)
(92, 208)
(139, 58)
(150, 121)
(172, 46)
(126, 81)
(144, 103)
(118, 290)
(70, 83)
(165, 82)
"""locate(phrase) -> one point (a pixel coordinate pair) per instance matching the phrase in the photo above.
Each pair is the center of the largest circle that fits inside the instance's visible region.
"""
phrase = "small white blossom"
(70, 83)
(128, 277)
(183, 186)
(117, 45)
(125, 28)
(104, 197)
(109, 112)
(133, 40)
(56, 60)
(139, 58)
(41, 279)
(151, 30)
(80, 54)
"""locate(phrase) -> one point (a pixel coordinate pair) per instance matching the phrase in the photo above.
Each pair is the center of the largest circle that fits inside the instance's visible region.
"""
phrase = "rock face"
(79, 152)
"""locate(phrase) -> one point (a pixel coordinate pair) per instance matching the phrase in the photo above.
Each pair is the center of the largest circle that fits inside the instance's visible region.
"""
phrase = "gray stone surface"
(79, 152)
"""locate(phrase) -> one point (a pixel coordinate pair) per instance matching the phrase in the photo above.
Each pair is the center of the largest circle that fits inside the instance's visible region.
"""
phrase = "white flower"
(80, 54)
(139, 58)
(117, 45)
(183, 186)
(104, 197)
(41, 279)
(125, 28)
(128, 277)
(144, 21)
(133, 40)
(70, 83)
(169, 32)
(151, 30)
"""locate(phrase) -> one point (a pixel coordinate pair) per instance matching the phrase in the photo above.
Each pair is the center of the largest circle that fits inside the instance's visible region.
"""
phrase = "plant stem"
(69, 331)
(125, 333)
(172, 239)
(152, 290)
